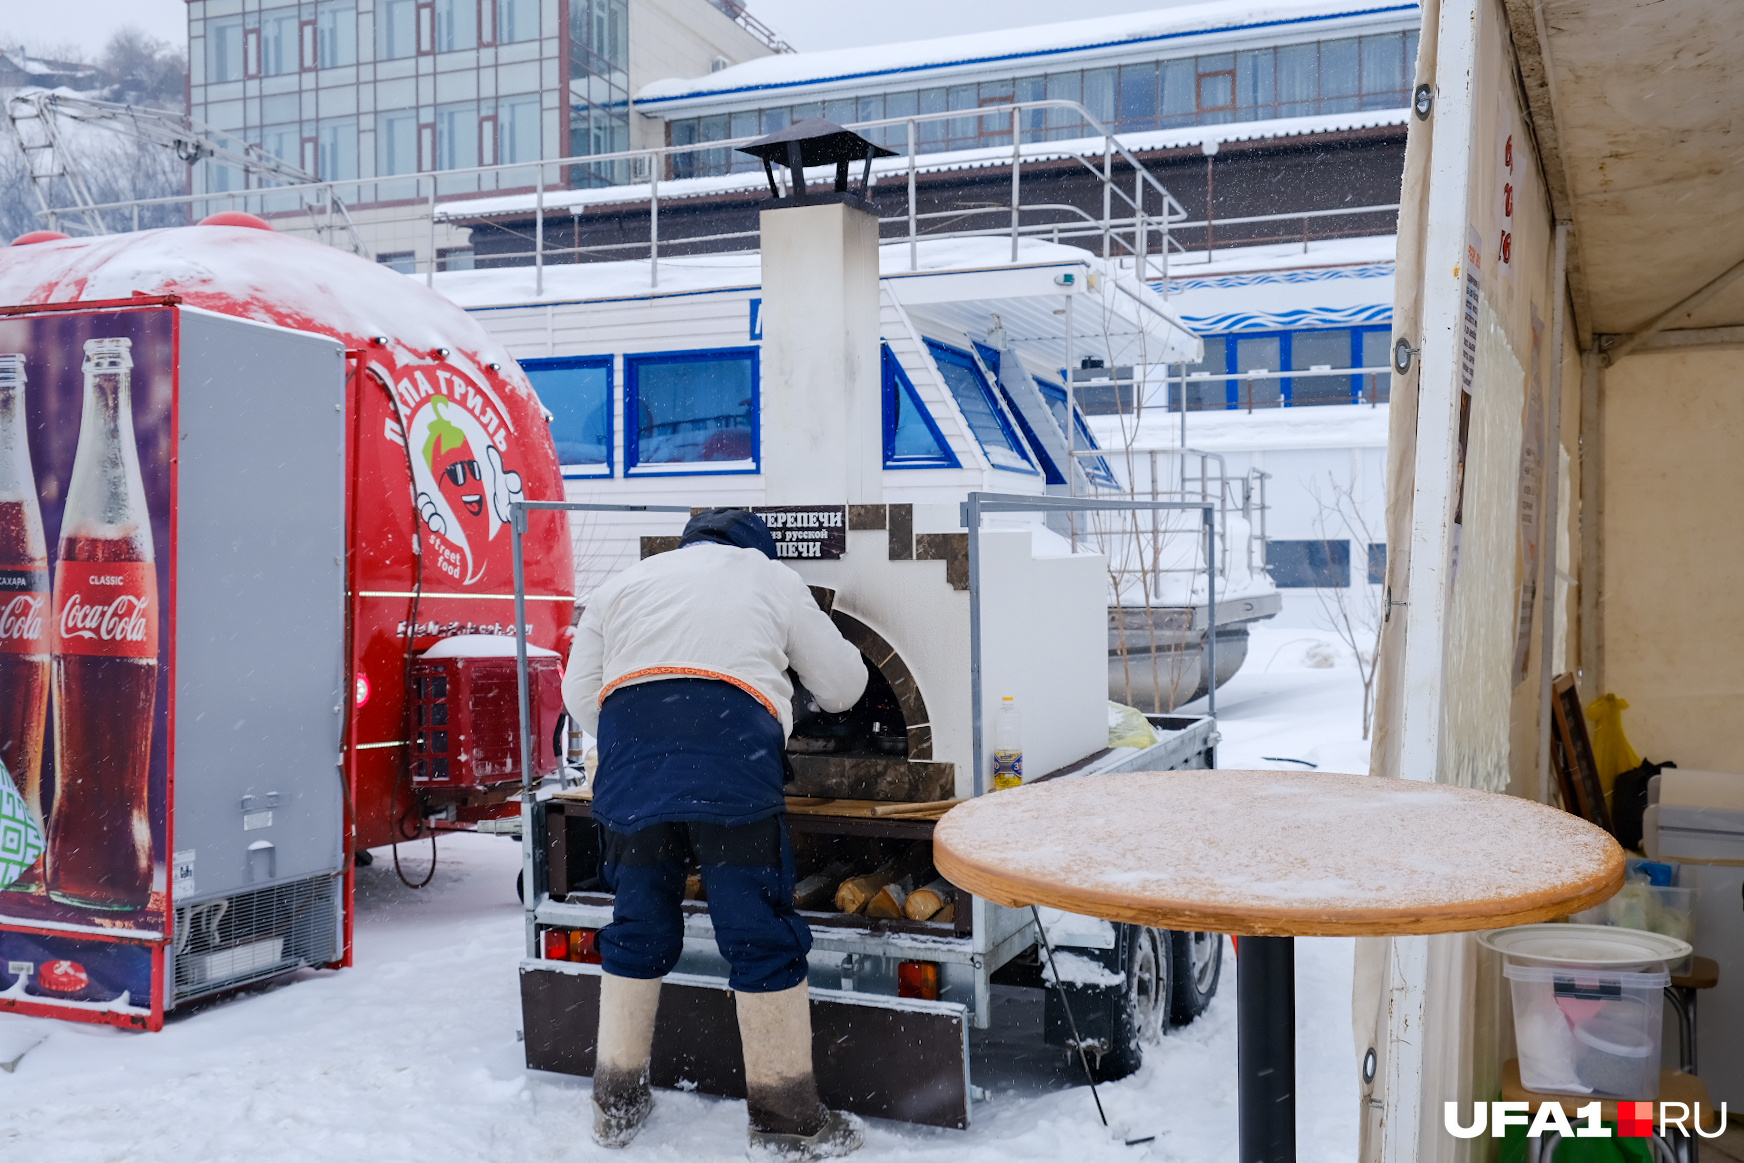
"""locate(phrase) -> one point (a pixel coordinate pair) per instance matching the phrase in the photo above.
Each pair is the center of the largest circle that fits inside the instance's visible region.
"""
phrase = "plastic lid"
(1620, 1039)
(1585, 945)
(1634, 978)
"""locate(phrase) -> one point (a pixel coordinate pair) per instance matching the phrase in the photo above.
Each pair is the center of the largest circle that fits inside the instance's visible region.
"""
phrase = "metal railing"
(1139, 225)
(1197, 477)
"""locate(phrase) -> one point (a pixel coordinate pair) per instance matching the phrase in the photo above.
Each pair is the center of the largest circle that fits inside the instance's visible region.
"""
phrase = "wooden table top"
(1277, 853)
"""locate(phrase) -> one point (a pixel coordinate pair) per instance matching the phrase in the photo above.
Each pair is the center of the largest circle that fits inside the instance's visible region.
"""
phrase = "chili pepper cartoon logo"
(464, 488)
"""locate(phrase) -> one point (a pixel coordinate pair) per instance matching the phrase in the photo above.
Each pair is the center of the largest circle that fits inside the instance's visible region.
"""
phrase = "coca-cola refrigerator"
(172, 656)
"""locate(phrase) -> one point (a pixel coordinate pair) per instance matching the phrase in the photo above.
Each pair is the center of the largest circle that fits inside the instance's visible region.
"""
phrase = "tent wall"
(1673, 424)
(1475, 454)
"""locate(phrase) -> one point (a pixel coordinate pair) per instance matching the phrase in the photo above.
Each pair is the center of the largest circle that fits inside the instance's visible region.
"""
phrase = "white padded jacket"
(710, 611)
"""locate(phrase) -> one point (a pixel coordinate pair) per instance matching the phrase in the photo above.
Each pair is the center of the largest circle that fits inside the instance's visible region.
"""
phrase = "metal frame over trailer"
(878, 1053)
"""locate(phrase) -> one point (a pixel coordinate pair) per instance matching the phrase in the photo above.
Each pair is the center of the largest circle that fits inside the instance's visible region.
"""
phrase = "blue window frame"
(980, 407)
(689, 412)
(911, 438)
(1095, 468)
(1299, 352)
(577, 391)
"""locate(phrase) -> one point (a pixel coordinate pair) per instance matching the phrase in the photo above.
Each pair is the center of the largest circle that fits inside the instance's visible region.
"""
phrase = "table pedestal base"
(1265, 1048)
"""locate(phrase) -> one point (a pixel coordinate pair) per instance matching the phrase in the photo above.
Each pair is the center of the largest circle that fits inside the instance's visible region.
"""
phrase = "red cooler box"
(465, 713)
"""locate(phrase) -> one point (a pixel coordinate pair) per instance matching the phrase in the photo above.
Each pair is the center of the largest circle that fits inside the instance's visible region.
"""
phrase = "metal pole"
(530, 887)
(1156, 535)
(1183, 422)
(1071, 409)
(1016, 156)
(1141, 231)
(1210, 214)
(430, 272)
(1211, 609)
(1107, 194)
(1165, 273)
(1265, 1049)
(975, 724)
(539, 233)
(913, 240)
(653, 221)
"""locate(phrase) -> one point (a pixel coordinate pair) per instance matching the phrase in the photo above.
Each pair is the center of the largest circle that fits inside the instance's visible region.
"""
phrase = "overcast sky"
(807, 24)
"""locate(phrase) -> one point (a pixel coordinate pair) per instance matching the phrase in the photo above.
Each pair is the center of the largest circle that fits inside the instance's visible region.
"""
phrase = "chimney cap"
(821, 143)
(817, 141)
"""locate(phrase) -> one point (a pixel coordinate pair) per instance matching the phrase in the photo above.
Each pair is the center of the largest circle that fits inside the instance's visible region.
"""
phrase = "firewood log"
(693, 890)
(856, 892)
(924, 904)
(820, 887)
(946, 915)
(888, 902)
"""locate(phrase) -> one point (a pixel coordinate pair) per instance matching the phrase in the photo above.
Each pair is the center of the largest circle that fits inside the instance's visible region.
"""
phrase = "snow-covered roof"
(1026, 48)
(961, 281)
(1264, 429)
(265, 276)
(43, 67)
(930, 163)
(694, 274)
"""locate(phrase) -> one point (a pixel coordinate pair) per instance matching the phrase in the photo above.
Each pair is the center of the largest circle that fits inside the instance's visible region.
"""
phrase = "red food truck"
(259, 478)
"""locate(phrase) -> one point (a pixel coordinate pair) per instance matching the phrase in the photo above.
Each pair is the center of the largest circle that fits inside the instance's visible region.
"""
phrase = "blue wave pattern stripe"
(1289, 320)
(1379, 270)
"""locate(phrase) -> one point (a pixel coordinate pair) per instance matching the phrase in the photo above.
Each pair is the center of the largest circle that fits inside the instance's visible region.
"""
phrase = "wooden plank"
(1576, 769)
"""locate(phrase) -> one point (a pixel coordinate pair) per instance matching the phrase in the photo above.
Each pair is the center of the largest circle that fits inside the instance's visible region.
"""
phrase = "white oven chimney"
(822, 396)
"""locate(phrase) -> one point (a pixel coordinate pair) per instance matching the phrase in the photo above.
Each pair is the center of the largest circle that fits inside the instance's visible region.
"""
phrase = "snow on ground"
(413, 1055)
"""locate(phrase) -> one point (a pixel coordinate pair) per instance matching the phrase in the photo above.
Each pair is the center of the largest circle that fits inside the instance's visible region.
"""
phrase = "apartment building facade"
(370, 93)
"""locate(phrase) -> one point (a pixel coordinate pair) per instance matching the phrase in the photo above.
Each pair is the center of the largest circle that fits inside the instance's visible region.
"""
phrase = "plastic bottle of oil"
(1007, 745)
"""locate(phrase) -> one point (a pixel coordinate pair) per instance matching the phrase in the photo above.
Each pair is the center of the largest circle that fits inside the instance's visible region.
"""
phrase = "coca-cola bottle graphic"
(24, 613)
(105, 628)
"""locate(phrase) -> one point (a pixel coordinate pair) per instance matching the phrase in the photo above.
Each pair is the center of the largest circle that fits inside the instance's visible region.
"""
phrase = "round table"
(1269, 856)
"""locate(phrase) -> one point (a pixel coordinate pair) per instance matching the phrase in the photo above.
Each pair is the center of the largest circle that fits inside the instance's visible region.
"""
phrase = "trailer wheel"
(1141, 1015)
(1198, 964)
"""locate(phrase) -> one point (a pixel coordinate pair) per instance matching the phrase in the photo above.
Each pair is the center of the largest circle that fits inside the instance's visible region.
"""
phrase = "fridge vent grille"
(221, 944)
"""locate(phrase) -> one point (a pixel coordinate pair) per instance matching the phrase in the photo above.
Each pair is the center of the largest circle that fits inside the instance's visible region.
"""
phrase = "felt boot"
(621, 1098)
(787, 1120)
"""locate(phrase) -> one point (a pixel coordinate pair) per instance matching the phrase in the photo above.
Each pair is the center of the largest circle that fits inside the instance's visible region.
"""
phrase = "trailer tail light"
(581, 945)
(584, 946)
(918, 979)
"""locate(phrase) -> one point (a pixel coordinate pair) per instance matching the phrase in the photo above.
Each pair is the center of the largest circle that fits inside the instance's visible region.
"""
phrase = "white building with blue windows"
(655, 392)
(1275, 402)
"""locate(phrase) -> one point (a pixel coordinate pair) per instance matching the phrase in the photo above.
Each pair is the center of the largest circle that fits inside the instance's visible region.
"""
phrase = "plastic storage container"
(1588, 1031)
(1588, 1002)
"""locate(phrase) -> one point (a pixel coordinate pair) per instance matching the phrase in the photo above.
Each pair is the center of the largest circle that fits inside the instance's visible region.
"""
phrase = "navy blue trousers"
(747, 875)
